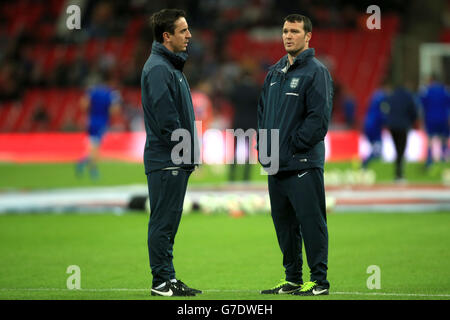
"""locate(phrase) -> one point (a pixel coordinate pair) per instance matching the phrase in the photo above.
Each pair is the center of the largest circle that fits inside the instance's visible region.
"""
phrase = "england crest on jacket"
(294, 83)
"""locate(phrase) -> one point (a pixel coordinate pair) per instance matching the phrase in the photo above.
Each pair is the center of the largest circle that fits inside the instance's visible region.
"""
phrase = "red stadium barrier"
(67, 147)
(128, 146)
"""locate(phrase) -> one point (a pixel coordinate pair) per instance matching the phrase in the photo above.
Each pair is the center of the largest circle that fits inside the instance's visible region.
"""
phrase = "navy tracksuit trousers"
(298, 211)
(167, 189)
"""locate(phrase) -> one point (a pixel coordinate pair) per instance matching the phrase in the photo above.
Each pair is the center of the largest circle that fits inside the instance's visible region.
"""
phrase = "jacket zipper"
(280, 91)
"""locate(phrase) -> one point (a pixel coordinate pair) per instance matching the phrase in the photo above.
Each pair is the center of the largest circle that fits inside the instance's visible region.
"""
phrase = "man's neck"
(291, 57)
(168, 47)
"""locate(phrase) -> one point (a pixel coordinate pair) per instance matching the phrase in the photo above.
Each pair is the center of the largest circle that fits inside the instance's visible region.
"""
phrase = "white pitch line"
(225, 291)
(392, 294)
(72, 290)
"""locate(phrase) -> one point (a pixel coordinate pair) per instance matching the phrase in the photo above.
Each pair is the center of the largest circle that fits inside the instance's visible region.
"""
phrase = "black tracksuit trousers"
(167, 189)
(298, 211)
(400, 138)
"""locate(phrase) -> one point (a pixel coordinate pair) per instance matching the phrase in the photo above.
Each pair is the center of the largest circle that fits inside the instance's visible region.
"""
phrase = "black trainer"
(171, 290)
(311, 288)
(284, 287)
(185, 287)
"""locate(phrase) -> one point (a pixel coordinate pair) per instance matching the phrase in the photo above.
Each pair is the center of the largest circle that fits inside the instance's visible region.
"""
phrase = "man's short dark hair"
(307, 25)
(164, 21)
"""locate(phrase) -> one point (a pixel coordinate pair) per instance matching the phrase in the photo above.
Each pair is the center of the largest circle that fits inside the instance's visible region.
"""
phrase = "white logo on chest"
(294, 83)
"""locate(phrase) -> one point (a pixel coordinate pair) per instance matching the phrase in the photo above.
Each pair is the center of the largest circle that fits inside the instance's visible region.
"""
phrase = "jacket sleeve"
(164, 115)
(260, 110)
(415, 107)
(319, 98)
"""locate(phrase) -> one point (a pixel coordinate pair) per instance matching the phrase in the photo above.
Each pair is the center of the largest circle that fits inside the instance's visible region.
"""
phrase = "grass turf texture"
(58, 175)
(228, 258)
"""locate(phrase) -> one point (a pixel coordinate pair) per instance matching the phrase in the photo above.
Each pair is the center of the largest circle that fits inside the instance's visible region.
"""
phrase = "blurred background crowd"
(45, 67)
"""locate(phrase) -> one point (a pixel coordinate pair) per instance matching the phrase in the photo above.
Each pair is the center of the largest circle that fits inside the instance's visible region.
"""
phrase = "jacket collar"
(176, 59)
(299, 60)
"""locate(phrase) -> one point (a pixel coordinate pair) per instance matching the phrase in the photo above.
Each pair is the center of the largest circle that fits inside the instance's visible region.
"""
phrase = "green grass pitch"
(226, 257)
(62, 175)
(229, 258)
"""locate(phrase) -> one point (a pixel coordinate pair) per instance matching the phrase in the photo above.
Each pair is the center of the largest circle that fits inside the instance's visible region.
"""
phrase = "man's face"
(295, 39)
(178, 41)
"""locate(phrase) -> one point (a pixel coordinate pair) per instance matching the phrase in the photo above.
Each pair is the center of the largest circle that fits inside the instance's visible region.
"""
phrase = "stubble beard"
(295, 53)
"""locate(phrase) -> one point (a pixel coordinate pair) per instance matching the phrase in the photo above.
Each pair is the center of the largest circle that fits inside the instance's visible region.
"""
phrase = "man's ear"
(308, 36)
(166, 36)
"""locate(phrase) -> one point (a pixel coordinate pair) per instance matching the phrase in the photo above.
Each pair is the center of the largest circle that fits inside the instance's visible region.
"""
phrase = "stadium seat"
(359, 58)
(7, 113)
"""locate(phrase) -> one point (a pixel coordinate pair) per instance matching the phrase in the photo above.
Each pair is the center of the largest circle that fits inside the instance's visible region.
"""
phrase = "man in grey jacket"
(167, 104)
(296, 101)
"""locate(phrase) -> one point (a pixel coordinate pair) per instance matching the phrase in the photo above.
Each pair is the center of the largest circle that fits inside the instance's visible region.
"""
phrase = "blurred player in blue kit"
(374, 122)
(435, 100)
(100, 101)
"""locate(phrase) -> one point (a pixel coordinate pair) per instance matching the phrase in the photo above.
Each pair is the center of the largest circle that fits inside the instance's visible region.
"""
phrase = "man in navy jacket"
(401, 115)
(296, 101)
(168, 114)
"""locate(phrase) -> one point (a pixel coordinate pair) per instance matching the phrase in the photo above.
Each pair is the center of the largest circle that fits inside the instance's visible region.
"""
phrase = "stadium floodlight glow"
(182, 152)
